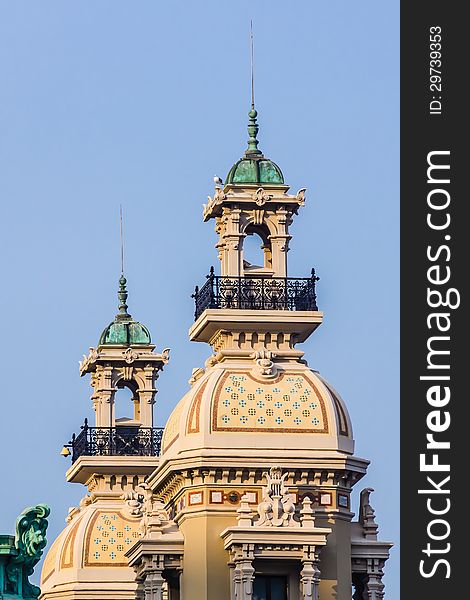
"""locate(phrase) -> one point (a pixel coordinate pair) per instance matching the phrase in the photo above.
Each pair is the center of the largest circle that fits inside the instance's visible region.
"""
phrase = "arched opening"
(126, 404)
(126, 435)
(257, 253)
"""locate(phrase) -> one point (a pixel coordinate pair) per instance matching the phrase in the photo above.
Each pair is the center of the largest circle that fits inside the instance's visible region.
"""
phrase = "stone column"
(309, 575)
(103, 396)
(243, 574)
(233, 242)
(153, 585)
(374, 588)
(146, 399)
(279, 249)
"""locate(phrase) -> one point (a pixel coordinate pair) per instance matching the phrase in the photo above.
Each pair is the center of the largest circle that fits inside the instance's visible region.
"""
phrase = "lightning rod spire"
(252, 64)
(122, 239)
(253, 127)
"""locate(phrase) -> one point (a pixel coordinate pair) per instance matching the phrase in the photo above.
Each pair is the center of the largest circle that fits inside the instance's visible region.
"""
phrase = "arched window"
(257, 248)
(126, 404)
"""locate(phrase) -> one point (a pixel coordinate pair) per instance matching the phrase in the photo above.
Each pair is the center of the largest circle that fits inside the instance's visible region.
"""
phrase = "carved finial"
(122, 295)
(253, 129)
(367, 515)
(306, 514)
(245, 515)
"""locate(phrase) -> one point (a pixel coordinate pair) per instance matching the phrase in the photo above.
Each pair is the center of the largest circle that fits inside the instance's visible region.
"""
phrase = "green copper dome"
(254, 167)
(124, 331)
(255, 170)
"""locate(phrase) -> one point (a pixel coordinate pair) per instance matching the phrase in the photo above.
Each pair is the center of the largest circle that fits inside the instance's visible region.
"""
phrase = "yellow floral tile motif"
(109, 536)
(289, 403)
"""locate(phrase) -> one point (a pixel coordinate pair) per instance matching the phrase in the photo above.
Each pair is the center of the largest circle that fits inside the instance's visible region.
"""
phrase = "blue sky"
(142, 103)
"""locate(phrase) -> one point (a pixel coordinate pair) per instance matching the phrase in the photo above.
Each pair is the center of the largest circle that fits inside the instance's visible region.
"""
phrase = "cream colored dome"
(91, 549)
(230, 409)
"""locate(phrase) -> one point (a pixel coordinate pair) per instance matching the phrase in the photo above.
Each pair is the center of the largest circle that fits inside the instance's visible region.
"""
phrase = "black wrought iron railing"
(116, 441)
(257, 293)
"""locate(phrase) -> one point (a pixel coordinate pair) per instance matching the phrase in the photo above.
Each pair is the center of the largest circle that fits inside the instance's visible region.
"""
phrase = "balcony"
(116, 441)
(256, 293)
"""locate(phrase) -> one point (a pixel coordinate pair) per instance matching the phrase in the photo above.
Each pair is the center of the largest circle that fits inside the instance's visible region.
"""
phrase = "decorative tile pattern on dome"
(109, 536)
(290, 403)
(194, 411)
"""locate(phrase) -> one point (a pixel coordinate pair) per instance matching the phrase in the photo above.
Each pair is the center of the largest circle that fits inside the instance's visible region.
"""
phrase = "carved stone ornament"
(195, 375)
(92, 357)
(127, 373)
(218, 198)
(154, 515)
(276, 509)
(265, 366)
(219, 195)
(130, 356)
(134, 504)
(261, 197)
(211, 361)
(300, 197)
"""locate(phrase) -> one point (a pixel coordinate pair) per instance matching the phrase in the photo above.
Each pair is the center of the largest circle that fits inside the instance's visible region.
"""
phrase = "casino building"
(245, 494)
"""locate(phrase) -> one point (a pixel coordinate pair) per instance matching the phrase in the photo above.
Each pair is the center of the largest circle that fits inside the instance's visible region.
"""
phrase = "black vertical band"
(434, 253)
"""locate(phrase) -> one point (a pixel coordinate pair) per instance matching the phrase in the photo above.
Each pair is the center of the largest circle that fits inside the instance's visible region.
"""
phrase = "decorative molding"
(261, 197)
(193, 423)
(67, 553)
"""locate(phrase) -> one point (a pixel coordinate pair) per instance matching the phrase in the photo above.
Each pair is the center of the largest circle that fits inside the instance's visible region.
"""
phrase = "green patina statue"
(20, 554)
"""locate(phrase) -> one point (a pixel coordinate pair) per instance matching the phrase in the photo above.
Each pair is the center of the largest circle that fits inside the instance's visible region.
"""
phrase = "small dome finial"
(122, 295)
(253, 129)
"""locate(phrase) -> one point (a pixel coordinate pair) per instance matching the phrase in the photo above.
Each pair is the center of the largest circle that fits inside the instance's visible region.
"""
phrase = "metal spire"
(122, 239)
(122, 293)
(252, 66)
(253, 127)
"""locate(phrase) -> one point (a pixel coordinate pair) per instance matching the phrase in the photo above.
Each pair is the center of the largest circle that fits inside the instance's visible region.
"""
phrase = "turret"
(111, 457)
